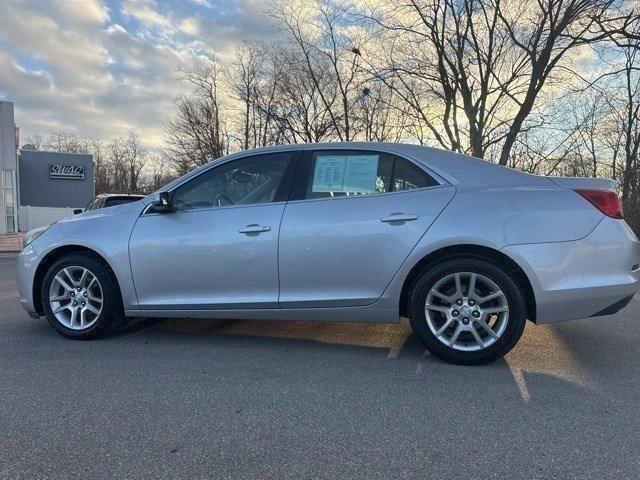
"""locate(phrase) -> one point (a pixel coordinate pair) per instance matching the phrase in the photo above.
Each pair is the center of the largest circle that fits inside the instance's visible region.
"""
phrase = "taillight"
(606, 201)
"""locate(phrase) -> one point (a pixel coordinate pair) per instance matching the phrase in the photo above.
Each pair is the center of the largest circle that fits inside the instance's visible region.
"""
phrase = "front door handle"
(255, 228)
(399, 217)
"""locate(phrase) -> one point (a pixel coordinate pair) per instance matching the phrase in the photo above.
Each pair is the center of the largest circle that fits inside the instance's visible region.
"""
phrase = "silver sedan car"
(356, 232)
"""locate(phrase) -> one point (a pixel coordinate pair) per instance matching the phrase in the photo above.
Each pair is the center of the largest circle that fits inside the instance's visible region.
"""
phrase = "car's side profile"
(360, 232)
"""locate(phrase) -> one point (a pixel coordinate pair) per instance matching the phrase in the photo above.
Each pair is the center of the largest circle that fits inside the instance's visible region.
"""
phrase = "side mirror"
(76, 211)
(162, 202)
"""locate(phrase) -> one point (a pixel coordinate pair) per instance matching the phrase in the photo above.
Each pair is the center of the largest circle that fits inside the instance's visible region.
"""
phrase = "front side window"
(247, 181)
(342, 174)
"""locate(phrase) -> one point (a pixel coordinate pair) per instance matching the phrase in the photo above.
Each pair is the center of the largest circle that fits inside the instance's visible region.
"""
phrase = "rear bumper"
(615, 308)
(588, 277)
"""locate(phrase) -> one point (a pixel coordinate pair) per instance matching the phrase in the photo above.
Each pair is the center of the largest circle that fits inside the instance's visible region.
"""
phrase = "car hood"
(123, 209)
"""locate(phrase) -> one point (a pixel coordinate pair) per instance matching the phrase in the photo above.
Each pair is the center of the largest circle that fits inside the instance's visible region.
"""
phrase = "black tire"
(112, 314)
(516, 304)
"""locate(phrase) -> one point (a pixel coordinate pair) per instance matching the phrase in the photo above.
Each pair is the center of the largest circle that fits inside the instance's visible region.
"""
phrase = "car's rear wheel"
(80, 297)
(467, 310)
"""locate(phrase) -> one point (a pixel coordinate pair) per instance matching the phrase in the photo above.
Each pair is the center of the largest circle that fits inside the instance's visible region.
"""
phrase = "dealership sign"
(73, 172)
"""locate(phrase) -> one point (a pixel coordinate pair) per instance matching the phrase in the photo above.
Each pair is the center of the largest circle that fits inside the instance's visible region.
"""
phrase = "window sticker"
(341, 173)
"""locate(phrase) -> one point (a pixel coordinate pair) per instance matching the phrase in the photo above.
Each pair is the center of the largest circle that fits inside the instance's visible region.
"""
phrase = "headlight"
(31, 235)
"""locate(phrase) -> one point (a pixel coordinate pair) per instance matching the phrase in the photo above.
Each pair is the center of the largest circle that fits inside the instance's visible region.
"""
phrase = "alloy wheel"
(466, 311)
(76, 297)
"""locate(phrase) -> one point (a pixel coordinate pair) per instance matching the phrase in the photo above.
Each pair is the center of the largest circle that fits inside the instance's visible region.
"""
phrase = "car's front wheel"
(467, 310)
(80, 297)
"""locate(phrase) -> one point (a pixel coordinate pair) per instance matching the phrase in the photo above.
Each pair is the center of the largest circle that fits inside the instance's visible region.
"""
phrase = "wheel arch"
(54, 255)
(470, 251)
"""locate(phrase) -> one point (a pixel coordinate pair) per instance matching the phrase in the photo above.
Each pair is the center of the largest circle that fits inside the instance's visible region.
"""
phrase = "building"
(8, 170)
(39, 187)
(52, 185)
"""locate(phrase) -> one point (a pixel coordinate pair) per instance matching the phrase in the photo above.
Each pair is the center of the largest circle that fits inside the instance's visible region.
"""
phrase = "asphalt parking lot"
(221, 399)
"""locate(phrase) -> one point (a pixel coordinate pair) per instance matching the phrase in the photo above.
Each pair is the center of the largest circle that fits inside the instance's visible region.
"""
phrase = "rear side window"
(339, 175)
(332, 174)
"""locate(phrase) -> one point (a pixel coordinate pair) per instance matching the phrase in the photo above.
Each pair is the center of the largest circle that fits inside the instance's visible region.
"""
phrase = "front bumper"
(583, 278)
(27, 264)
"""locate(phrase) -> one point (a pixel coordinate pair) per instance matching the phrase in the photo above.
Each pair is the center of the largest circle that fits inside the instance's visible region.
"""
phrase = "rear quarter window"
(407, 176)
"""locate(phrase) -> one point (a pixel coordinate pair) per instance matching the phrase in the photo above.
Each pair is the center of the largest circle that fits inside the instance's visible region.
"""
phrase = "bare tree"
(590, 117)
(161, 173)
(626, 108)
(125, 159)
(472, 70)
(381, 119)
(330, 58)
(195, 133)
(117, 169)
(103, 165)
(34, 142)
(136, 157)
(66, 141)
(246, 79)
(299, 110)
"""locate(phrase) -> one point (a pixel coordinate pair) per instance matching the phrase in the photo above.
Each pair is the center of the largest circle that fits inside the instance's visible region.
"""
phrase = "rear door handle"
(399, 217)
(255, 228)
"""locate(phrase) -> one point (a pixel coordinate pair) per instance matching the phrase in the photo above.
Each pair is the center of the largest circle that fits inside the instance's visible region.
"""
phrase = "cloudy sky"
(103, 67)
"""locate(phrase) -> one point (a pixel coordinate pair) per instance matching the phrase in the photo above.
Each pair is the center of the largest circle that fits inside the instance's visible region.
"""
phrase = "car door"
(352, 219)
(218, 247)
